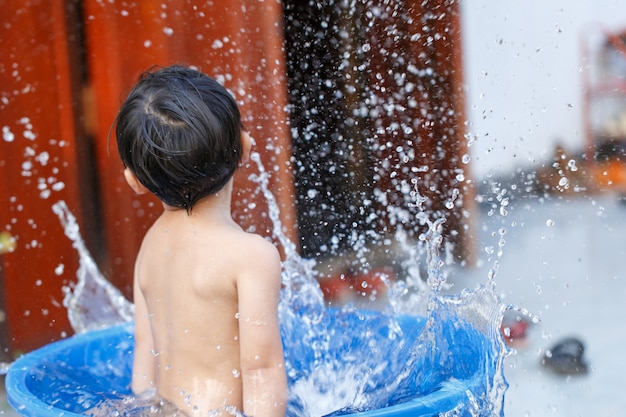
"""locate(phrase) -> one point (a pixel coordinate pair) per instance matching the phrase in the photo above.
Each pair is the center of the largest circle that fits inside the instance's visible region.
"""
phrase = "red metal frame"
(592, 90)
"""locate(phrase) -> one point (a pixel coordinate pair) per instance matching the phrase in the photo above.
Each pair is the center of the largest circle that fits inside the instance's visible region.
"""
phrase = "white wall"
(523, 73)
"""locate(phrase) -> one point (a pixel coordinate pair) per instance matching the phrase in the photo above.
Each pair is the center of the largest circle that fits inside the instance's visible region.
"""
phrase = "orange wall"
(435, 110)
(39, 165)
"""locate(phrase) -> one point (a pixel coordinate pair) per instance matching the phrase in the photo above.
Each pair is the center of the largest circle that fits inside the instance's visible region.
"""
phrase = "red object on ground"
(515, 333)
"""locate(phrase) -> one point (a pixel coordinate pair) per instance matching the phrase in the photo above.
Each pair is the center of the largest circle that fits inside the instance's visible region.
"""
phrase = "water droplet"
(236, 373)
(58, 186)
(549, 222)
(572, 165)
(7, 135)
(28, 134)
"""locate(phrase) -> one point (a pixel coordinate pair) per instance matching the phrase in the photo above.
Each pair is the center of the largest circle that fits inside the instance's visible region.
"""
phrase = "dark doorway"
(332, 175)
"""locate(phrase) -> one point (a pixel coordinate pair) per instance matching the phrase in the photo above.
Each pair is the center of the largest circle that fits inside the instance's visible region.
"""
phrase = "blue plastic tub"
(68, 377)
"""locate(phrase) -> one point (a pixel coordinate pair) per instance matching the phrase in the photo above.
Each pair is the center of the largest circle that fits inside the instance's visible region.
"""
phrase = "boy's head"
(179, 132)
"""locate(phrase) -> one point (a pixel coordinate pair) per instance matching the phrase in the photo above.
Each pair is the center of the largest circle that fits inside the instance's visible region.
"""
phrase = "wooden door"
(41, 153)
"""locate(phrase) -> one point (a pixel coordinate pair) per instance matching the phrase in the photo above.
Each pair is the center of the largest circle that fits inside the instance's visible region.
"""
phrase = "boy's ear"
(246, 146)
(134, 183)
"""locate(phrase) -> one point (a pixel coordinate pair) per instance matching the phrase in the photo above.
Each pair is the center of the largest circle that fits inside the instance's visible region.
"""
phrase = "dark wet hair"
(179, 133)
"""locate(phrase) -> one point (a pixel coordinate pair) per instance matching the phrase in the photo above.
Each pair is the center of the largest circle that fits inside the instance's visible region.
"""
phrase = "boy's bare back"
(210, 289)
(206, 293)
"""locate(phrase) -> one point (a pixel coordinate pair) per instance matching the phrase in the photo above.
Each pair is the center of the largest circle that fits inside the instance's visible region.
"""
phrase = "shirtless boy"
(206, 292)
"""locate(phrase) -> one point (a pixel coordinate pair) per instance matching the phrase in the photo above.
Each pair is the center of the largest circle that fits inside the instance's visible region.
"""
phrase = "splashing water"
(93, 303)
(391, 357)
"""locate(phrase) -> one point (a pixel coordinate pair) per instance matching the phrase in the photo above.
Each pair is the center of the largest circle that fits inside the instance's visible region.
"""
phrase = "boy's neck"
(214, 204)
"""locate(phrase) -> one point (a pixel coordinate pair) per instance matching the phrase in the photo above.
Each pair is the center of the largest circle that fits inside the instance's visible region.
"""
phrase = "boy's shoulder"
(254, 250)
(254, 244)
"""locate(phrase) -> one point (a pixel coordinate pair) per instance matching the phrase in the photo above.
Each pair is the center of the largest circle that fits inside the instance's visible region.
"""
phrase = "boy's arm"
(144, 362)
(262, 361)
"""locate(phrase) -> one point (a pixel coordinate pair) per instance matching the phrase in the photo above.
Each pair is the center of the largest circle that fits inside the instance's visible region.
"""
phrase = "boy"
(207, 336)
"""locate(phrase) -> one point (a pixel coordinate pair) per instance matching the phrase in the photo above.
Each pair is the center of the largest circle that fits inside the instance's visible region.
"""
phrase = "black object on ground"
(566, 357)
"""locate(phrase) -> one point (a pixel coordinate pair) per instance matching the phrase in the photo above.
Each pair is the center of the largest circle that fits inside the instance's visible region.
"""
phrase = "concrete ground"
(564, 261)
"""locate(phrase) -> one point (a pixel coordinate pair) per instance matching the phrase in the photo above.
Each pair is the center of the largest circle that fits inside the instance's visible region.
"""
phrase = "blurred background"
(497, 113)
